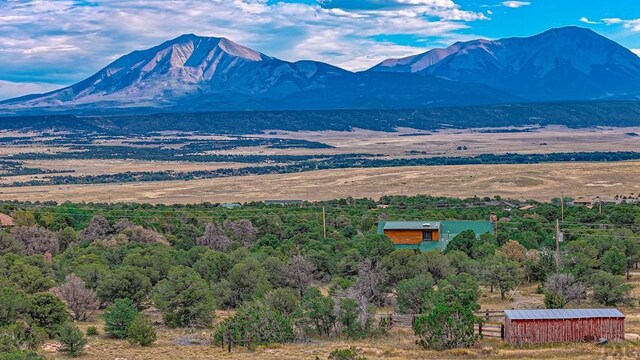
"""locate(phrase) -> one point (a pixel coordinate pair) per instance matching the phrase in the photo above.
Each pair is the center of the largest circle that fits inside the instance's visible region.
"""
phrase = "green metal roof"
(450, 229)
(411, 225)
(424, 246)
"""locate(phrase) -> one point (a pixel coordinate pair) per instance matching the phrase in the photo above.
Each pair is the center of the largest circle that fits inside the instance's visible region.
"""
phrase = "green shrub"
(411, 293)
(72, 339)
(283, 300)
(184, 299)
(20, 355)
(316, 314)
(255, 324)
(141, 331)
(118, 317)
(21, 335)
(346, 354)
(447, 326)
(348, 314)
(92, 331)
(552, 300)
(48, 311)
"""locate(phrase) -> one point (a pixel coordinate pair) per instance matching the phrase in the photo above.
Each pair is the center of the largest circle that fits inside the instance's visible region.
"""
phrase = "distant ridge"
(192, 73)
(569, 63)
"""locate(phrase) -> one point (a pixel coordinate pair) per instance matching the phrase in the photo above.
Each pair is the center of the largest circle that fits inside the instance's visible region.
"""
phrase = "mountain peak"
(571, 29)
(208, 44)
(205, 73)
(559, 64)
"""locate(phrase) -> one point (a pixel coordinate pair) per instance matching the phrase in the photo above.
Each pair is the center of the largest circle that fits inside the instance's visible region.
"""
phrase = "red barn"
(562, 326)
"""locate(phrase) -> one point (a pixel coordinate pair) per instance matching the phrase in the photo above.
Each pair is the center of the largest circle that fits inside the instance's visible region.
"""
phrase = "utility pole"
(557, 245)
(562, 206)
(324, 222)
(600, 205)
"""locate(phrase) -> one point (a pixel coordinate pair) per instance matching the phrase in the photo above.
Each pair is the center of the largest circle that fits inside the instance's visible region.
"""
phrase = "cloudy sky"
(46, 44)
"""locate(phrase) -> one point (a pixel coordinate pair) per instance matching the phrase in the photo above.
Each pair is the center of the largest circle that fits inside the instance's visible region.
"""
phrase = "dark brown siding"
(518, 332)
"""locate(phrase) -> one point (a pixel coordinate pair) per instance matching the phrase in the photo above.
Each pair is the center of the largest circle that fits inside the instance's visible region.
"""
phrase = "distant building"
(231, 205)
(562, 326)
(507, 205)
(583, 202)
(6, 221)
(283, 202)
(430, 235)
(527, 207)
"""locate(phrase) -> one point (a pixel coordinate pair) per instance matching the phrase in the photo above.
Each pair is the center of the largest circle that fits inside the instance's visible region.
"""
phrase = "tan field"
(445, 143)
(537, 181)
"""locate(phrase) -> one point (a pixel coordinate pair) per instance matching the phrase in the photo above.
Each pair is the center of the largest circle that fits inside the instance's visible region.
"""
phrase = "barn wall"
(519, 332)
(409, 237)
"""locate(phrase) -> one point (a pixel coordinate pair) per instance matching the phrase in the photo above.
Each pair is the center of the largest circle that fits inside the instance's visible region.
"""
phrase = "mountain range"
(192, 73)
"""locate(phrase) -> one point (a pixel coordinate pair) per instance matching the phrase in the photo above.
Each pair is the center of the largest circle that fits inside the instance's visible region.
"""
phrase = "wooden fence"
(491, 322)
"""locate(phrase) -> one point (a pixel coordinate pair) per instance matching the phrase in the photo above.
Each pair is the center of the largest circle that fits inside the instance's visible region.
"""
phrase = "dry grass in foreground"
(398, 344)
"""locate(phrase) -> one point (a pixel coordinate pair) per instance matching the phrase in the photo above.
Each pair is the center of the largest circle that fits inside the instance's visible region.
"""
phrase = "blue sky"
(46, 44)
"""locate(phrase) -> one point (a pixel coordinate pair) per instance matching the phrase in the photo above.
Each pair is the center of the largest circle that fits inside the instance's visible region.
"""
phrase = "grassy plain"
(539, 181)
(536, 181)
(478, 141)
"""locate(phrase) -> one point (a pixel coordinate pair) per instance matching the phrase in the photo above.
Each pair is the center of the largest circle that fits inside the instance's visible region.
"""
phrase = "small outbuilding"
(6, 221)
(562, 326)
(284, 202)
(231, 206)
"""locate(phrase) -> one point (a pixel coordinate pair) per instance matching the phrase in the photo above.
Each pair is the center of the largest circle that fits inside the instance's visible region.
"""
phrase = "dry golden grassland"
(541, 181)
(398, 344)
(537, 181)
(82, 167)
(445, 142)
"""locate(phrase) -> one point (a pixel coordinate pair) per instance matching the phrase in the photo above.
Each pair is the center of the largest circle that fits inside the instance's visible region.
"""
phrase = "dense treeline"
(76, 139)
(579, 115)
(16, 168)
(283, 279)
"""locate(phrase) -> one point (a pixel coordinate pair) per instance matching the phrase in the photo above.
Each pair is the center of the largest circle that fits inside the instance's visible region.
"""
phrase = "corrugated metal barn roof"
(549, 314)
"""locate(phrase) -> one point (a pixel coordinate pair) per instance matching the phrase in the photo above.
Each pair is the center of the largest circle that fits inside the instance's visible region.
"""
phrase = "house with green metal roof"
(430, 235)
(231, 205)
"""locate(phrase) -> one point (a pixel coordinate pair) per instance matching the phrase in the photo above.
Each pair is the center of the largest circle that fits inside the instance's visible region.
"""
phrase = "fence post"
(480, 330)
(502, 331)
(229, 341)
(413, 320)
(487, 315)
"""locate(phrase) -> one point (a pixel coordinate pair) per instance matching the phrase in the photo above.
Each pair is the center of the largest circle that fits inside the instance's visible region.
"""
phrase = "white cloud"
(63, 41)
(10, 89)
(631, 24)
(587, 21)
(515, 4)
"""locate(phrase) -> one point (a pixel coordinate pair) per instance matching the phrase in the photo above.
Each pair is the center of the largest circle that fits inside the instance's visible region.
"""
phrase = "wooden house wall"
(408, 237)
(519, 332)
